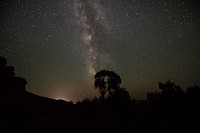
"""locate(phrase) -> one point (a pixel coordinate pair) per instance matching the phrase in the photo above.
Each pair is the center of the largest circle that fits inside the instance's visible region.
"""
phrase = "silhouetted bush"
(170, 94)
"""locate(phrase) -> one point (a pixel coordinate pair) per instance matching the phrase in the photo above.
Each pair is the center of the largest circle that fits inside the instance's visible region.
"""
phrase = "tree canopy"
(108, 83)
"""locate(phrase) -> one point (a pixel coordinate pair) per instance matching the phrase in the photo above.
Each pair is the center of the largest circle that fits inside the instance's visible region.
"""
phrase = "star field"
(144, 41)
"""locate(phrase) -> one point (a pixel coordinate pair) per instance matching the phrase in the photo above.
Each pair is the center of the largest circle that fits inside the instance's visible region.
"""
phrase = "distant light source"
(60, 97)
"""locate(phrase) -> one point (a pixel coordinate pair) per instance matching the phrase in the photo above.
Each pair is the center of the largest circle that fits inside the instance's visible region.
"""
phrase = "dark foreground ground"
(30, 113)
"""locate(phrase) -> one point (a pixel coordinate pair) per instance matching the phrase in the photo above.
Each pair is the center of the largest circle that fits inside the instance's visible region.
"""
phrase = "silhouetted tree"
(107, 82)
(153, 97)
(193, 93)
(170, 88)
(170, 92)
(120, 95)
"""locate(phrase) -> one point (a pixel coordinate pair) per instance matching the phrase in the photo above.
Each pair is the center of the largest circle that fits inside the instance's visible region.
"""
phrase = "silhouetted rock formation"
(17, 106)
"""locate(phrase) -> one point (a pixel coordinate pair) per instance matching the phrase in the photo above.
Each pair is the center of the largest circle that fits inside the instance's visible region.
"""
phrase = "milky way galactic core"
(91, 19)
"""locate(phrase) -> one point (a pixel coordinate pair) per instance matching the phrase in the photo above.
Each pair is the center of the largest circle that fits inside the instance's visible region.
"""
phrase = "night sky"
(58, 45)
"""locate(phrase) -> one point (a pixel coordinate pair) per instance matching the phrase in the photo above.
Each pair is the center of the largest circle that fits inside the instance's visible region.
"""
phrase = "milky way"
(91, 20)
